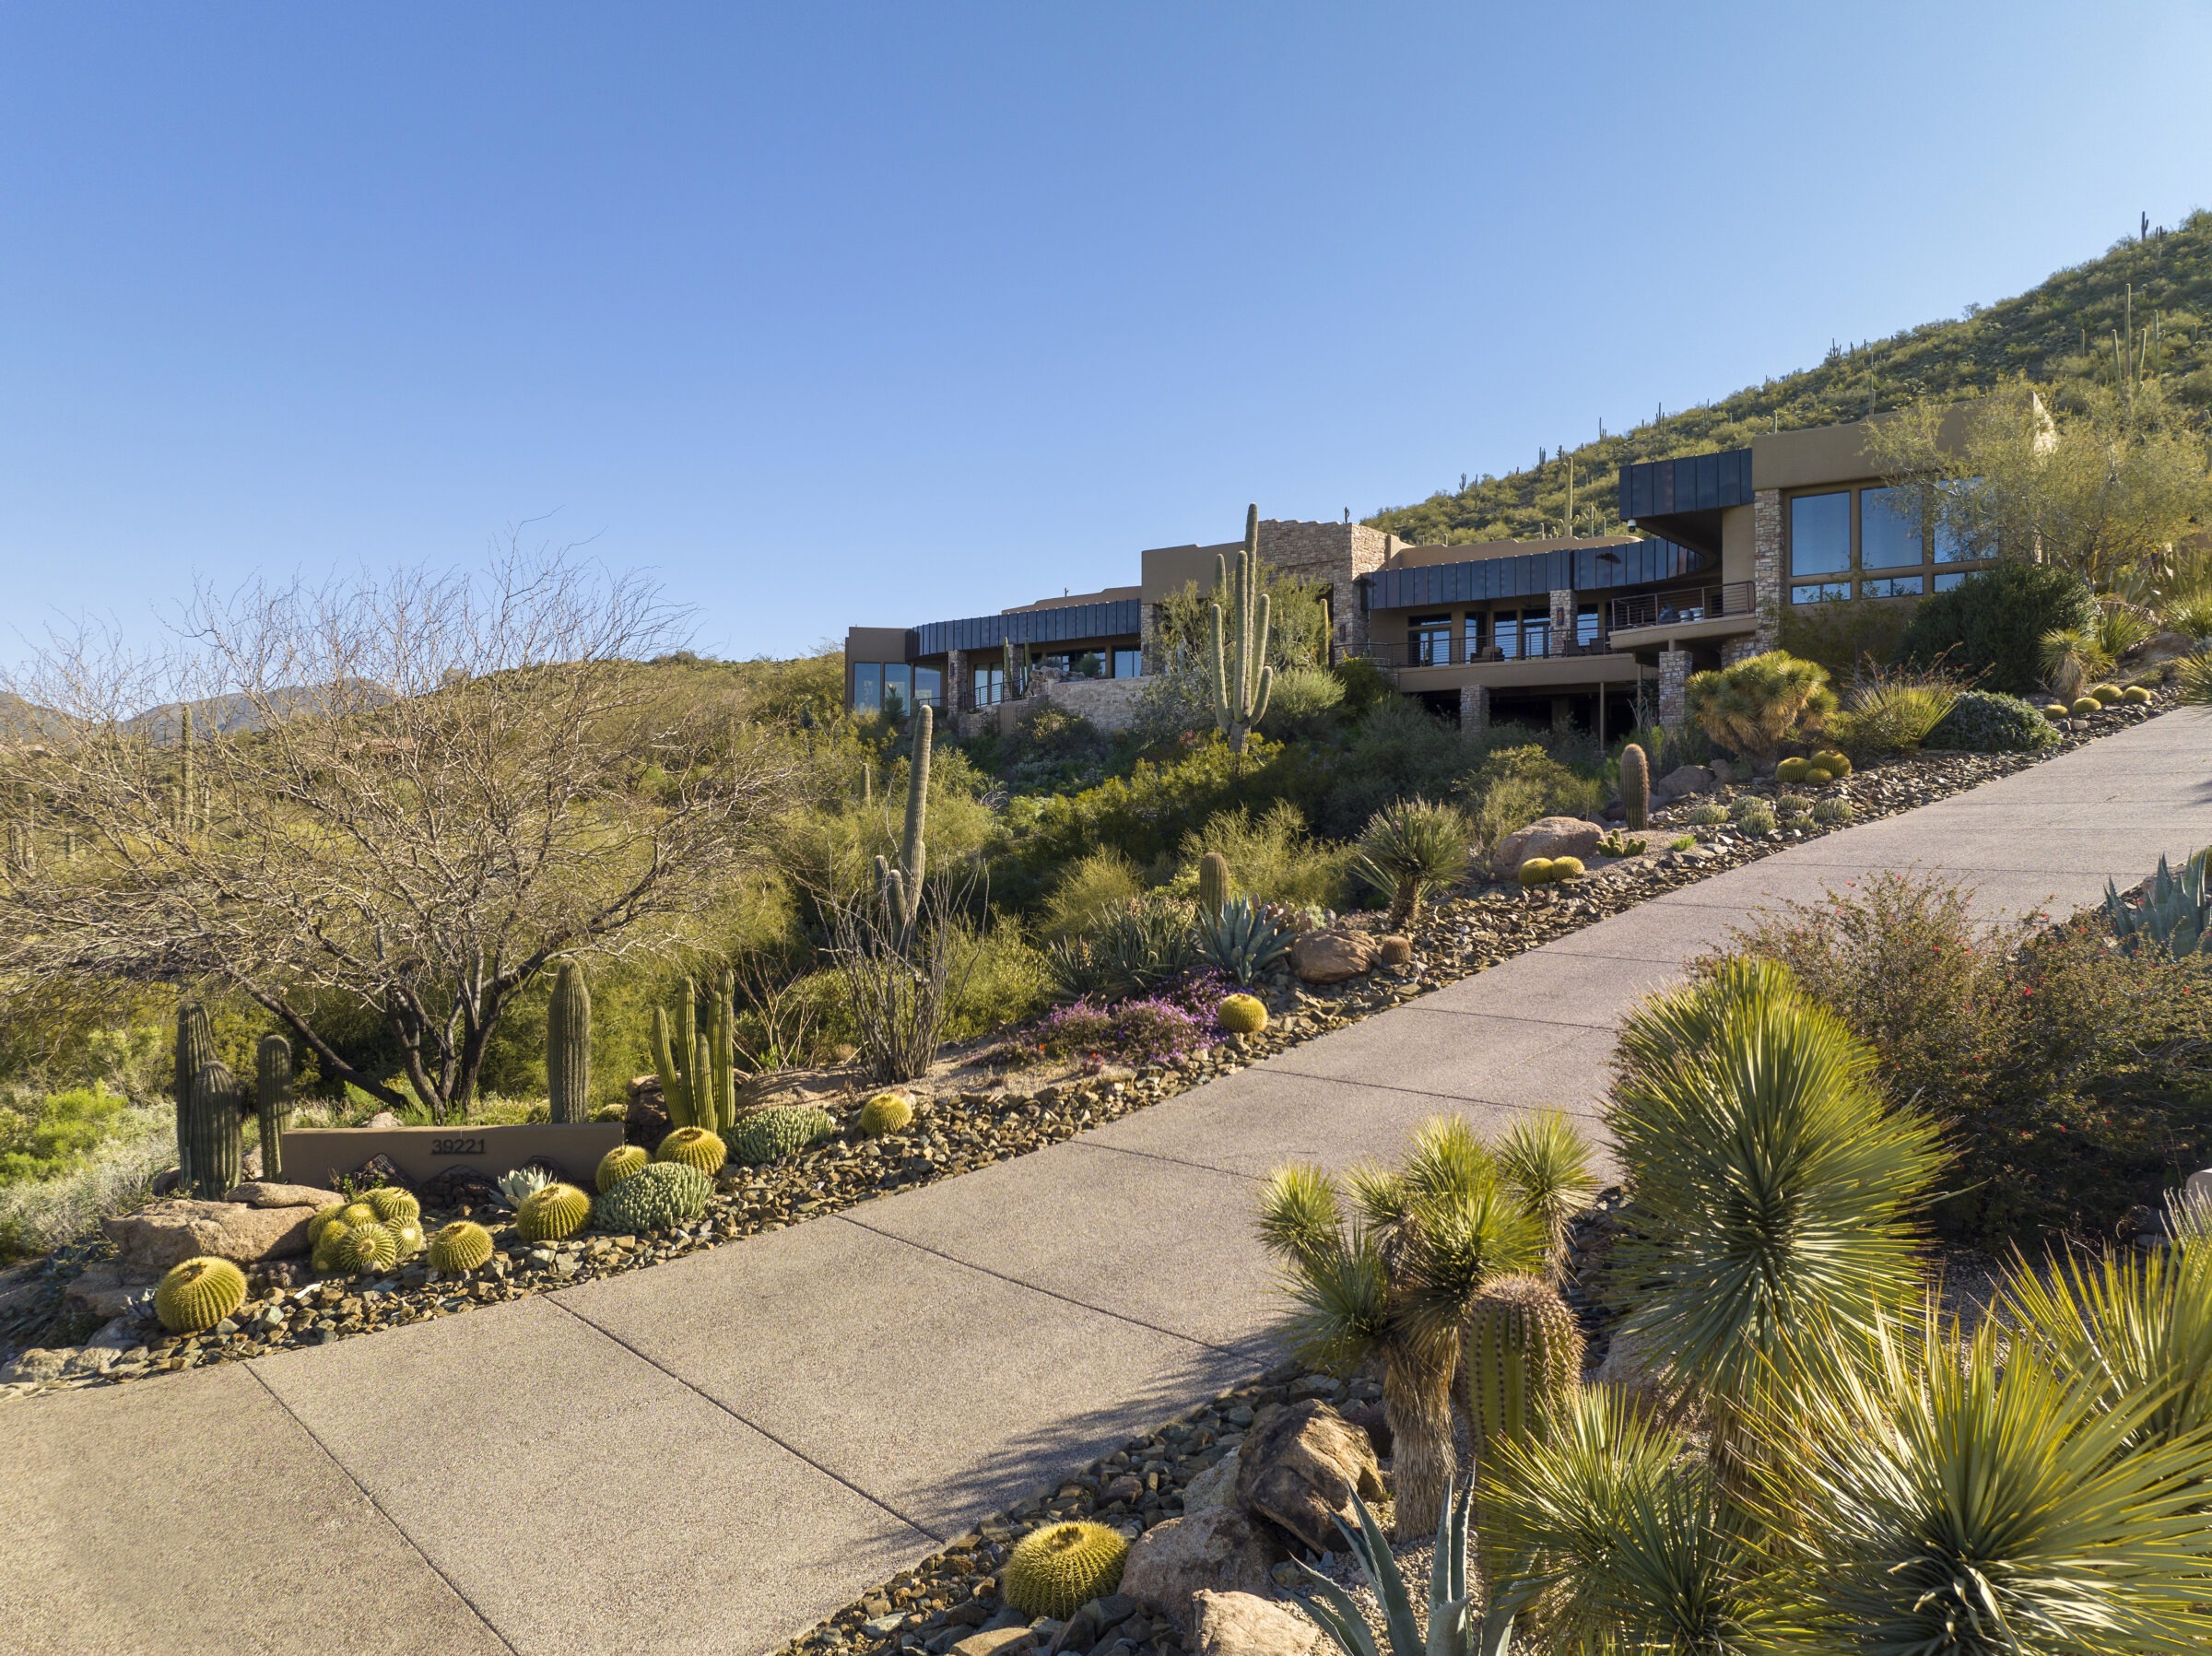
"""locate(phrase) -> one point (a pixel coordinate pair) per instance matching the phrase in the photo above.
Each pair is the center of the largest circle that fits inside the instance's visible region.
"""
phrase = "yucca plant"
(1892, 710)
(1610, 1533)
(1956, 1493)
(1241, 938)
(1410, 847)
(1775, 1189)
(1751, 706)
(1395, 1284)
(1544, 1160)
(2174, 917)
(1143, 942)
(2071, 657)
(2193, 674)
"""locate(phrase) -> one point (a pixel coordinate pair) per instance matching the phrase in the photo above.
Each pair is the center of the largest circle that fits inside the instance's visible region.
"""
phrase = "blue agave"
(1242, 939)
(2175, 916)
(1453, 1627)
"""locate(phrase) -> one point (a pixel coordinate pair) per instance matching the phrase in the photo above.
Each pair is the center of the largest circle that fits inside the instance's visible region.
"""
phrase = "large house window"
(1128, 664)
(929, 687)
(1819, 536)
(1889, 529)
(990, 686)
(1473, 634)
(1536, 632)
(867, 687)
(1431, 638)
(1505, 633)
(897, 689)
(1080, 664)
(1585, 625)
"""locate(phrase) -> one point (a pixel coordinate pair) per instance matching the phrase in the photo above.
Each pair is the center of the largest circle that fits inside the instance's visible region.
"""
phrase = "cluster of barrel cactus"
(1549, 871)
(380, 1230)
(1814, 770)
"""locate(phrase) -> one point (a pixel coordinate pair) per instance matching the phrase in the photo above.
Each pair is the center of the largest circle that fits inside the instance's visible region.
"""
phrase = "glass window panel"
(1474, 633)
(990, 686)
(1585, 625)
(1128, 664)
(1820, 534)
(1891, 586)
(1889, 529)
(868, 687)
(1536, 632)
(1950, 548)
(1943, 583)
(1506, 636)
(1430, 636)
(1819, 591)
(929, 687)
(897, 689)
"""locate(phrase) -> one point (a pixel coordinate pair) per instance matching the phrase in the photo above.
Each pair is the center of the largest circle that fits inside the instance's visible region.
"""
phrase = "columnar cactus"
(675, 1055)
(1636, 787)
(1242, 678)
(210, 1120)
(722, 1057)
(901, 886)
(1524, 1352)
(273, 1101)
(1213, 882)
(569, 1046)
(195, 1052)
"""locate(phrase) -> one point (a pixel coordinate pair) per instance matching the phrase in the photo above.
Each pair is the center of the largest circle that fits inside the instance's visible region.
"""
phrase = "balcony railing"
(1454, 652)
(1694, 603)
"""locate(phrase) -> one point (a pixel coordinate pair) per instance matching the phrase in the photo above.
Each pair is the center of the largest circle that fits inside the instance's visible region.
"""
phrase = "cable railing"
(1692, 604)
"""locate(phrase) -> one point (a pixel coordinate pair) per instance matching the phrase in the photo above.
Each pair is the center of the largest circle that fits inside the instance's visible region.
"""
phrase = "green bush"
(44, 1137)
(1843, 633)
(1986, 721)
(1092, 888)
(1515, 785)
(1303, 703)
(1992, 624)
(1271, 859)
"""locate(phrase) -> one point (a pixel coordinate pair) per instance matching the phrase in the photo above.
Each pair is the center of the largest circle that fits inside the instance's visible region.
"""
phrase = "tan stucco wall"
(1165, 571)
(1832, 453)
(1111, 595)
(1739, 543)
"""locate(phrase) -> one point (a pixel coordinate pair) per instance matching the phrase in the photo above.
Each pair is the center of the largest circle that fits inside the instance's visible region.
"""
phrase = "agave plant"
(521, 1183)
(1409, 848)
(1145, 942)
(1243, 938)
(1619, 1529)
(1777, 1190)
(1395, 1283)
(1449, 1629)
(1957, 1493)
(2174, 916)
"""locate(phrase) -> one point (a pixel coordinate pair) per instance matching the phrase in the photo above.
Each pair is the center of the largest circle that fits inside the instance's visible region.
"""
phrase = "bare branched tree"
(406, 794)
(901, 975)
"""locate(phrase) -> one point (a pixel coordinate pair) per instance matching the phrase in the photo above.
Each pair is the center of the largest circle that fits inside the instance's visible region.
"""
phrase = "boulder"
(1685, 779)
(996, 1642)
(162, 1234)
(1301, 1468)
(1219, 1550)
(1215, 1487)
(1547, 837)
(2158, 646)
(1242, 1624)
(257, 1193)
(383, 1118)
(38, 1364)
(102, 1290)
(1395, 950)
(1332, 956)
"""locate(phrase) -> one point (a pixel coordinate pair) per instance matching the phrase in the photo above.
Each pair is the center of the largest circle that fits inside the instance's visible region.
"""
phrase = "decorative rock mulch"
(67, 1344)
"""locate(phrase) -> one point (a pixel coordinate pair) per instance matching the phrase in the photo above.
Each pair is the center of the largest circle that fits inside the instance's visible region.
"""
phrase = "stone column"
(1766, 567)
(1474, 709)
(1674, 690)
(1562, 620)
(956, 684)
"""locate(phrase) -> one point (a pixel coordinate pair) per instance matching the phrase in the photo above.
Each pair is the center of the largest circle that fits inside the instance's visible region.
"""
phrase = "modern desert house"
(1596, 632)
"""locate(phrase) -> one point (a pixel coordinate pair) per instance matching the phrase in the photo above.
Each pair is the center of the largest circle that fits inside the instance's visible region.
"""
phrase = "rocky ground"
(82, 1316)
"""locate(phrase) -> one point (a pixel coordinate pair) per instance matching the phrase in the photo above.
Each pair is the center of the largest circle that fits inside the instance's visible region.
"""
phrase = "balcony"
(1691, 607)
(1453, 652)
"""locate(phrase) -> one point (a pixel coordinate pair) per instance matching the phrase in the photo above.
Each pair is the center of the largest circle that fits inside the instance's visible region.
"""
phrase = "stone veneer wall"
(1562, 621)
(1766, 567)
(1674, 690)
(1109, 703)
(1335, 553)
(1474, 708)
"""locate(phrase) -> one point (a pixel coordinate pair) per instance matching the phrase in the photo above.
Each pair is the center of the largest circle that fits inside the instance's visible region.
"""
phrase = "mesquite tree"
(411, 794)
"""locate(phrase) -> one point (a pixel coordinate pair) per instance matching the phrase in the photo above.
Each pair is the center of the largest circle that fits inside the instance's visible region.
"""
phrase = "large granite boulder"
(1243, 1624)
(1300, 1468)
(1219, 1550)
(1547, 837)
(1684, 780)
(260, 1193)
(1332, 956)
(162, 1234)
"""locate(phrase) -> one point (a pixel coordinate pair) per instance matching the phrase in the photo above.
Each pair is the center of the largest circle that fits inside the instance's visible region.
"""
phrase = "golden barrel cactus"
(624, 1161)
(551, 1212)
(693, 1148)
(1058, 1569)
(460, 1248)
(199, 1294)
(1241, 1014)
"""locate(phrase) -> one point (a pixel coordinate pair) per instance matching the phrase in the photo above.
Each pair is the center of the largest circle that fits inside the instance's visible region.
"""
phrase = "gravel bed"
(977, 1117)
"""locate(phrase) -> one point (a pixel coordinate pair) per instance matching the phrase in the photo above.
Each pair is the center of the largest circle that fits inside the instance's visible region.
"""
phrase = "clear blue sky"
(833, 314)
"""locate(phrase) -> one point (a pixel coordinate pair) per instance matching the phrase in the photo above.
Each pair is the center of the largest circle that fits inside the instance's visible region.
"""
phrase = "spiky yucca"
(695, 1147)
(1776, 1188)
(1546, 1162)
(1058, 1569)
(1750, 706)
(460, 1248)
(198, 1294)
(552, 1213)
(624, 1161)
(1410, 847)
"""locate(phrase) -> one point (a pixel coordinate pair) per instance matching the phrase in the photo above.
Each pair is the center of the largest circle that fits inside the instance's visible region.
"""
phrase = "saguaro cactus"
(1213, 882)
(675, 1055)
(196, 1050)
(1635, 787)
(213, 1126)
(273, 1101)
(901, 886)
(1524, 1352)
(569, 1046)
(722, 1052)
(1242, 676)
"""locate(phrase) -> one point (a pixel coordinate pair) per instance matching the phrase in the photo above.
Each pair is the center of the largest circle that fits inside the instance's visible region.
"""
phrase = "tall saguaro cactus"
(196, 1050)
(676, 1056)
(900, 886)
(569, 1046)
(1242, 676)
(722, 1052)
(212, 1122)
(273, 1101)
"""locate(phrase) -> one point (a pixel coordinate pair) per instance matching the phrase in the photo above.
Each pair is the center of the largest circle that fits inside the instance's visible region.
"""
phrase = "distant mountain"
(2064, 328)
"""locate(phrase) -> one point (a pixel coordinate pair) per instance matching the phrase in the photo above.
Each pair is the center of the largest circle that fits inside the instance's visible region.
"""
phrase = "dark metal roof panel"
(1693, 483)
(1534, 574)
(1062, 624)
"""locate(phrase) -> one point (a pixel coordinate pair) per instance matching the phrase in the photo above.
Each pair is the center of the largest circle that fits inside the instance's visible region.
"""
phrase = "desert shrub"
(1989, 722)
(1513, 786)
(1271, 858)
(1992, 624)
(1303, 704)
(1751, 706)
(1091, 889)
(1843, 633)
(1152, 1029)
(998, 979)
(1891, 710)
(43, 1137)
(1142, 944)
(1397, 751)
(1364, 685)
(71, 1166)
